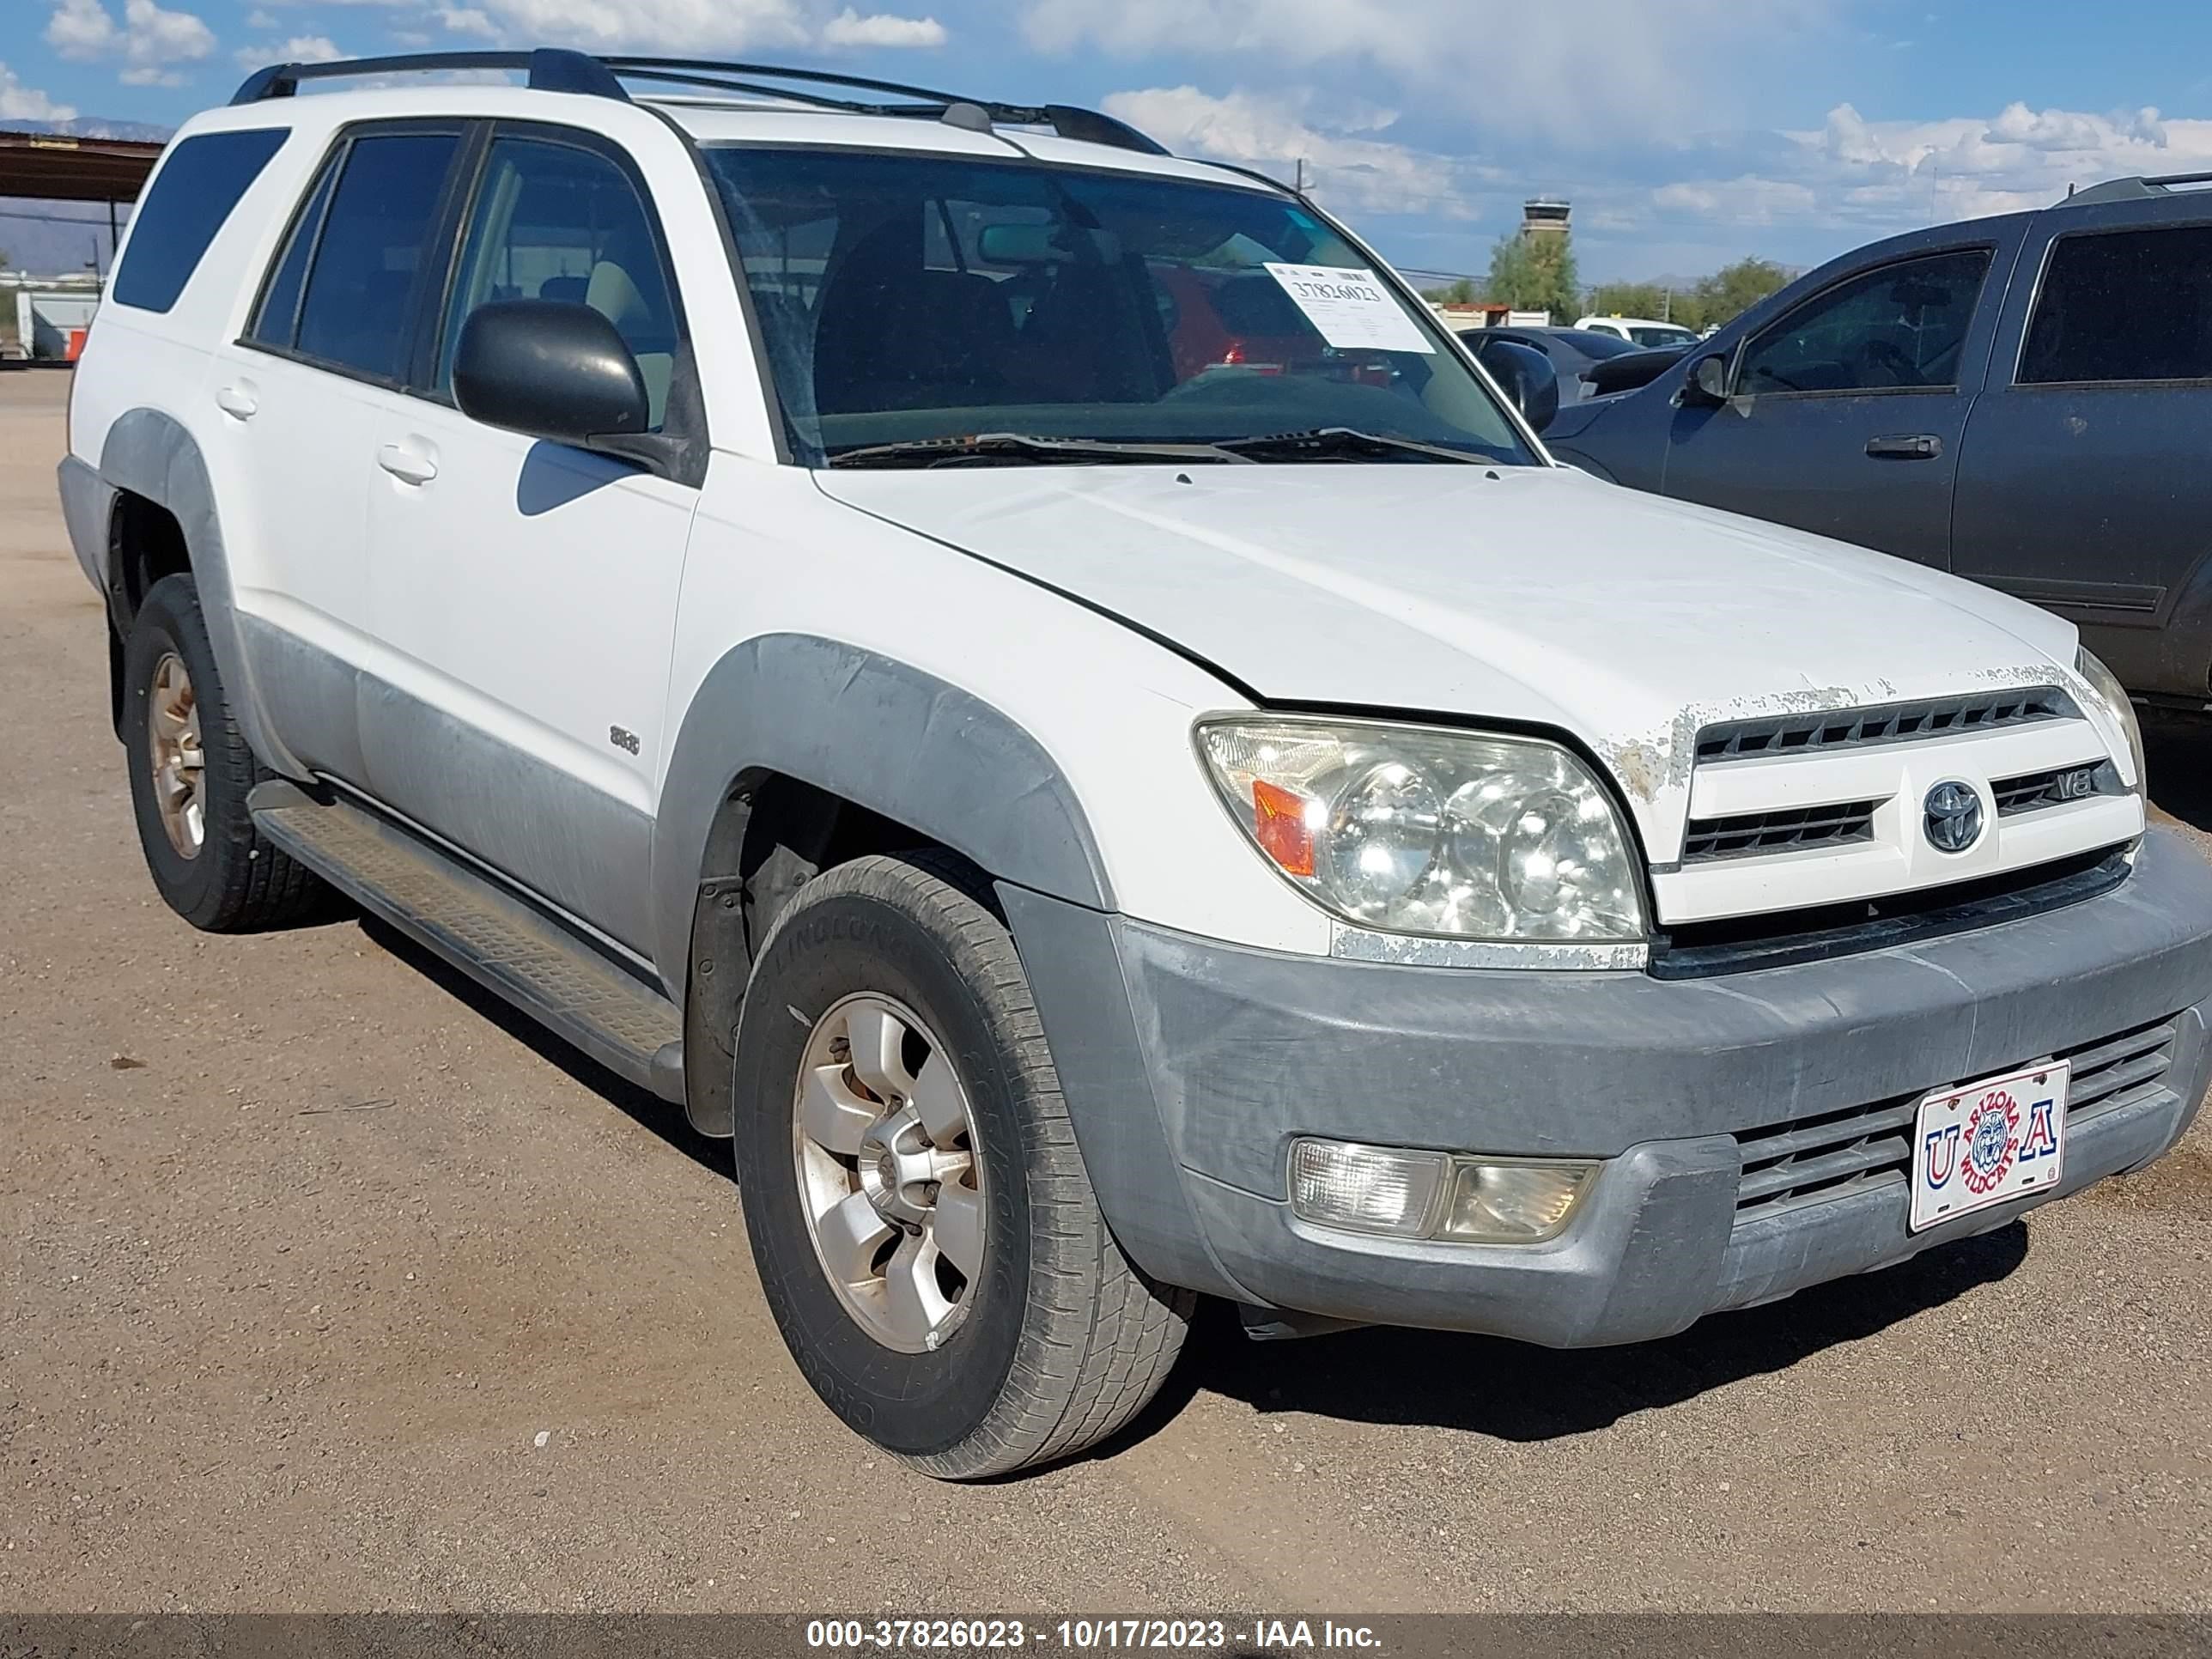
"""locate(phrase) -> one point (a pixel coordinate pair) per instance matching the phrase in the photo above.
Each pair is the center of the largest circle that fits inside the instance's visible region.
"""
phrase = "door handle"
(1905, 446)
(237, 402)
(406, 464)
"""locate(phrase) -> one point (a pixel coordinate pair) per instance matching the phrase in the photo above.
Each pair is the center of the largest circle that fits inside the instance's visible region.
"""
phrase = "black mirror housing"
(1528, 378)
(1707, 385)
(554, 369)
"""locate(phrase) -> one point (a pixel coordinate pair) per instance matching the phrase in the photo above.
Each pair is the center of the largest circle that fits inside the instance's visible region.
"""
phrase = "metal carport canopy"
(48, 167)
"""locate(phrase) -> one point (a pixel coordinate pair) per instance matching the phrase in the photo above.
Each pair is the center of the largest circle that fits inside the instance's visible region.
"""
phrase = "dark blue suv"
(2023, 400)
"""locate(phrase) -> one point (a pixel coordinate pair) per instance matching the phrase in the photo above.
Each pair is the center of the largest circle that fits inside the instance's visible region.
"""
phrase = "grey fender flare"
(150, 454)
(884, 736)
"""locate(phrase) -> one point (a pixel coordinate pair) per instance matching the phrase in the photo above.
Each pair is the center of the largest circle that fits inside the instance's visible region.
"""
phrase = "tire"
(1057, 1340)
(234, 880)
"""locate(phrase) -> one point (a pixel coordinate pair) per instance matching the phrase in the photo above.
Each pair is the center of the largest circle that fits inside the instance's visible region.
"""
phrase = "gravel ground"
(305, 1246)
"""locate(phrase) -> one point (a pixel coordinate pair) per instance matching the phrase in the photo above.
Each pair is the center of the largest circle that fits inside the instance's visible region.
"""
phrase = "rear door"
(325, 345)
(2087, 481)
(1845, 413)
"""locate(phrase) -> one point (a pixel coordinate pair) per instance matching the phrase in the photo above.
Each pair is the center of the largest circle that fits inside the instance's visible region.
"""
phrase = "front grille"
(1899, 722)
(2034, 791)
(1810, 1160)
(1780, 831)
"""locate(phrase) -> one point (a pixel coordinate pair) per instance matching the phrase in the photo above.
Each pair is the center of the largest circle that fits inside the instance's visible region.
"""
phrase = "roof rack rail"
(556, 69)
(2132, 189)
(548, 69)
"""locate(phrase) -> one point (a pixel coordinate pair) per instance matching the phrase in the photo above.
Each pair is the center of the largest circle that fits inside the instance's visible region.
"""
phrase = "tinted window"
(555, 222)
(1901, 326)
(1591, 344)
(197, 188)
(2134, 305)
(280, 301)
(359, 302)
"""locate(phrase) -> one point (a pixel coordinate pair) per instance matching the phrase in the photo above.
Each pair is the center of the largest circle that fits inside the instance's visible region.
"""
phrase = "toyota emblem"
(1954, 821)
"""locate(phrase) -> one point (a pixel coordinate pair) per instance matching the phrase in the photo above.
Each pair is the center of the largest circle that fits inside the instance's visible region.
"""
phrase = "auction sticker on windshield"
(1987, 1142)
(1351, 308)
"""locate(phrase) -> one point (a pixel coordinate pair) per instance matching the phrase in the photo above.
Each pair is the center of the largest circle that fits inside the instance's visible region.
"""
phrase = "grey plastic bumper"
(1190, 1065)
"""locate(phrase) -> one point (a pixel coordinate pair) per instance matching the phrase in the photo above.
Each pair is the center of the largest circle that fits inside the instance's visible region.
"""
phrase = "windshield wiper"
(1021, 446)
(1343, 440)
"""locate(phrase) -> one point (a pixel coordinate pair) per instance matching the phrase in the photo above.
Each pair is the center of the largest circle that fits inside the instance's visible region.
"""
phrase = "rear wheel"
(191, 772)
(924, 1229)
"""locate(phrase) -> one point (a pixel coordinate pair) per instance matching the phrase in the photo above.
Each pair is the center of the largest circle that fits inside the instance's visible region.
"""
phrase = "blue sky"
(1686, 132)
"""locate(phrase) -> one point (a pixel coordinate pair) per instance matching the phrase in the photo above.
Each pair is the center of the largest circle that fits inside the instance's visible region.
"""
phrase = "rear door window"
(1902, 327)
(2124, 306)
(191, 196)
(357, 312)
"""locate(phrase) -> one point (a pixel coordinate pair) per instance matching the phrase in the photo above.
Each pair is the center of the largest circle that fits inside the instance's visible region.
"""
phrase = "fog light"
(1410, 1194)
(1367, 1190)
(1513, 1203)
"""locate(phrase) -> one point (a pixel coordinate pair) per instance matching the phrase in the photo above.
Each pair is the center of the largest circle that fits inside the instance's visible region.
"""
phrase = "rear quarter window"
(191, 196)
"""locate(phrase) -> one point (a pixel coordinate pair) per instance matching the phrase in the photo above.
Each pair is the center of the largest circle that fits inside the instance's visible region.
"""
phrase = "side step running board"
(505, 943)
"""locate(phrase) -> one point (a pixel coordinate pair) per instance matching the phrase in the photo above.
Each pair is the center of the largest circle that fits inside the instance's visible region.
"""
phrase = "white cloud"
(1853, 173)
(1582, 74)
(20, 103)
(664, 26)
(300, 49)
(849, 29)
(1343, 168)
(148, 43)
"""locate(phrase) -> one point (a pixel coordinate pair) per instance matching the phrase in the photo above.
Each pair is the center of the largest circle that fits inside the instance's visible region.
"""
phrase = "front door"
(528, 590)
(1845, 414)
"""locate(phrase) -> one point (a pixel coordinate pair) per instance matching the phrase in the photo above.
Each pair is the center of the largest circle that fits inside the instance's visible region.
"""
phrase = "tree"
(1632, 300)
(1729, 292)
(1535, 273)
(1459, 293)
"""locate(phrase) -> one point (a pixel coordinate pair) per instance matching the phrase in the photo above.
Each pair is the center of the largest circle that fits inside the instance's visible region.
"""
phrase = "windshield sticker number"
(1352, 310)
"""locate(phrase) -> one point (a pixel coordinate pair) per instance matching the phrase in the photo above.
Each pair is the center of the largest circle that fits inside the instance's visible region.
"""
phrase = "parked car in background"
(1640, 331)
(1573, 352)
(2021, 400)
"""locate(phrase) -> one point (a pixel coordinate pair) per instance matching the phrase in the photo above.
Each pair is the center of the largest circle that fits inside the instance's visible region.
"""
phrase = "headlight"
(2114, 696)
(1411, 830)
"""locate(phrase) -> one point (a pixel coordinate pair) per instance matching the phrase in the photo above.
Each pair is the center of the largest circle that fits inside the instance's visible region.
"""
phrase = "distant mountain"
(93, 126)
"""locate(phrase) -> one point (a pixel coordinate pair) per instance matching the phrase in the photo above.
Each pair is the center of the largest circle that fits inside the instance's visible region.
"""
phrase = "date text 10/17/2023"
(1089, 1635)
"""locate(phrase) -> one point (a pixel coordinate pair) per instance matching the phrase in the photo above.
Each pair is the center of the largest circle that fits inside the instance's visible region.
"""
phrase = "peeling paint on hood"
(1521, 594)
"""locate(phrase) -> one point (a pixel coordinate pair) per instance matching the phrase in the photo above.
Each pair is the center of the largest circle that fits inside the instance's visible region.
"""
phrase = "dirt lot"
(304, 1245)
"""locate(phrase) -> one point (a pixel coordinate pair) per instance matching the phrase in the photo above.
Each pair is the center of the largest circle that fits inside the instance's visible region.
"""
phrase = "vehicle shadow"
(641, 1106)
(1513, 1391)
(2177, 758)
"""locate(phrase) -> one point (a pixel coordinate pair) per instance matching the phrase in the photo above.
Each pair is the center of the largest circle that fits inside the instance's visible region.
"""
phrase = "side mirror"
(1707, 386)
(1528, 378)
(554, 369)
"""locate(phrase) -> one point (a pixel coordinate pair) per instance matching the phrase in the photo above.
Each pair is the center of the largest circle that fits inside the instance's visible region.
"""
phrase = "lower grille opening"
(1741, 944)
(1808, 1160)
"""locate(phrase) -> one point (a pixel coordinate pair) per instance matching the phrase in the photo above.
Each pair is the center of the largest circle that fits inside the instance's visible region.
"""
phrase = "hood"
(1529, 594)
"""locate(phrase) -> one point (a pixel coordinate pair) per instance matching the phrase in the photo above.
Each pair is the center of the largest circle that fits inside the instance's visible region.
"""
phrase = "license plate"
(1986, 1142)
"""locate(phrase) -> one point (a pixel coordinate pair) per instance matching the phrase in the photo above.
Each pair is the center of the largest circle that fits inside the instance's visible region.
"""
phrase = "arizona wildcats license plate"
(1987, 1142)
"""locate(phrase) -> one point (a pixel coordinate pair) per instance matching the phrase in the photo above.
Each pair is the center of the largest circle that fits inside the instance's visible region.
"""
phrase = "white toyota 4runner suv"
(1028, 683)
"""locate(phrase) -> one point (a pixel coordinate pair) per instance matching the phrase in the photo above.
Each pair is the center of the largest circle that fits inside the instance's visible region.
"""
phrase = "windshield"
(1661, 336)
(921, 297)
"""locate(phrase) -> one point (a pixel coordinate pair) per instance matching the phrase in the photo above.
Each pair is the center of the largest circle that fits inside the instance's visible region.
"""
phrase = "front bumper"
(1190, 1065)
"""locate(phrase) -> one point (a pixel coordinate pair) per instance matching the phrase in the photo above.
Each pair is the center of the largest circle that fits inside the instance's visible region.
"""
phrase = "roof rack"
(2133, 190)
(550, 68)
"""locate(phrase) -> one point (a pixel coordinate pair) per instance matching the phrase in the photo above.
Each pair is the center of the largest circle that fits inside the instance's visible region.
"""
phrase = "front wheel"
(925, 1232)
